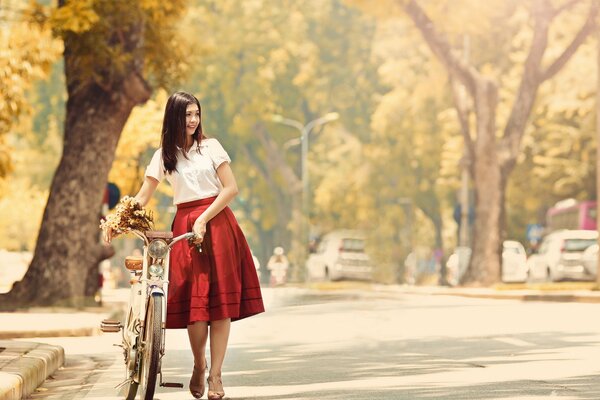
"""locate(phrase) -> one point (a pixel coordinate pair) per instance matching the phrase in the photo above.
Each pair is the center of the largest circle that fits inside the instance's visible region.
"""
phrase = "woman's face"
(192, 118)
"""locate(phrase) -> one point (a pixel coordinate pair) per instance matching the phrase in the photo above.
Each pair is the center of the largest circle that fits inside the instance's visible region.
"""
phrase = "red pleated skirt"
(218, 283)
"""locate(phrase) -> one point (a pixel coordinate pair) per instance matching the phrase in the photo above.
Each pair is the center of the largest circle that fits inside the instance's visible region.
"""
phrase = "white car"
(514, 262)
(561, 256)
(590, 259)
(340, 255)
(457, 264)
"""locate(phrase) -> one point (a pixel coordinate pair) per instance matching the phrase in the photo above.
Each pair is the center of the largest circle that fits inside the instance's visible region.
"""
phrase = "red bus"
(570, 214)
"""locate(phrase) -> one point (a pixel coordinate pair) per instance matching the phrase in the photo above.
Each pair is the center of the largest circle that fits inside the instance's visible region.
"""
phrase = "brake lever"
(192, 243)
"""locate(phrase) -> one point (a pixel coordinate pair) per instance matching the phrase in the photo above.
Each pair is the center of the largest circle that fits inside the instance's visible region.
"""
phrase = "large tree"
(114, 54)
(492, 156)
(501, 82)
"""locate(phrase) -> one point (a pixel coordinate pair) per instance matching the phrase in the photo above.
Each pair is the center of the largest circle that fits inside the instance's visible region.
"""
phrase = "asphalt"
(26, 365)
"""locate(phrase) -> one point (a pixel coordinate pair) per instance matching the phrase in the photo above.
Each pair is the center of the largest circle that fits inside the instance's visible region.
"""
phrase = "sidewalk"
(26, 365)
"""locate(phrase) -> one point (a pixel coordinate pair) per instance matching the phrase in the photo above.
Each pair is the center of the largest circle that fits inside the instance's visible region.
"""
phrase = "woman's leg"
(219, 336)
(198, 333)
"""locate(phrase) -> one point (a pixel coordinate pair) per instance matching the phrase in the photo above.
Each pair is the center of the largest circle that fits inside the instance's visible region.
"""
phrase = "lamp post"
(305, 130)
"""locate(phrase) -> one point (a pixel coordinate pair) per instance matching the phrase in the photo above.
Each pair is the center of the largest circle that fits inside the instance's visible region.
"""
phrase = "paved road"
(369, 345)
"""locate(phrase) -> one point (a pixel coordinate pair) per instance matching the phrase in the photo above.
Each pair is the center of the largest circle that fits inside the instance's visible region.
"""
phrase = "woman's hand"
(199, 229)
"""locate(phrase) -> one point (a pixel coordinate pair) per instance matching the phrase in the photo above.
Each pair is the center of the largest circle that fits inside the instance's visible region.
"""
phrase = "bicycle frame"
(145, 287)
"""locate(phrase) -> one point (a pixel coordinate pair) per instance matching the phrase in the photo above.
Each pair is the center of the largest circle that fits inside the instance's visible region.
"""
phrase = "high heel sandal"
(215, 388)
(197, 382)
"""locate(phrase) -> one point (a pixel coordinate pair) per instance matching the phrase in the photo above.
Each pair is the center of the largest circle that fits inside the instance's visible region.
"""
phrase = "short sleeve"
(156, 168)
(218, 154)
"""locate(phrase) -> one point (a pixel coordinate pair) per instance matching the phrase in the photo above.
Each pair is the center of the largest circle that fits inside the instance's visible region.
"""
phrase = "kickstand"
(169, 384)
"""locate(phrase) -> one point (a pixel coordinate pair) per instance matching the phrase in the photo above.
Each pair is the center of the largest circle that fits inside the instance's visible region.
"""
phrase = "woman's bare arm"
(228, 193)
(146, 191)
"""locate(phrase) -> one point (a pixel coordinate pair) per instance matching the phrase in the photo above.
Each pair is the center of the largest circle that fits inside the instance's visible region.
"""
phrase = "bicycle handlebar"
(188, 235)
(142, 235)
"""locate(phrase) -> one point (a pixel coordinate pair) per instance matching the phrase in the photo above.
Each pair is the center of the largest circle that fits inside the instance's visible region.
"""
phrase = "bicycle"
(144, 329)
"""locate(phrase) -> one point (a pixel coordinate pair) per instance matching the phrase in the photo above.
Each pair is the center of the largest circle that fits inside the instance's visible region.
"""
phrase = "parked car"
(340, 255)
(590, 259)
(457, 264)
(560, 256)
(514, 263)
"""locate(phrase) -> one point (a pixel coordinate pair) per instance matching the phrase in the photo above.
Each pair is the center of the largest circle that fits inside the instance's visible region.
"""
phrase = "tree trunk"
(68, 248)
(598, 147)
(484, 266)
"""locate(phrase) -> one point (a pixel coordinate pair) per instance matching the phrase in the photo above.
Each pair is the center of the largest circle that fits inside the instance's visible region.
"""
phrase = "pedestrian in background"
(211, 288)
(278, 265)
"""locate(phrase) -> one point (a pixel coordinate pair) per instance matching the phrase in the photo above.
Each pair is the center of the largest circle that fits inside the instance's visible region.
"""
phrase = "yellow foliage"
(21, 210)
(27, 51)
(75, 16)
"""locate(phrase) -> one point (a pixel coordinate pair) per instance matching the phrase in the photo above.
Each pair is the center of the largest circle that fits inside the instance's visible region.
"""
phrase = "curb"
(26, 365)
(49, 333)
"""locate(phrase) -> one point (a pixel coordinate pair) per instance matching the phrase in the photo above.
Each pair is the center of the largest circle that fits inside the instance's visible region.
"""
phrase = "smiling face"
(192, 119)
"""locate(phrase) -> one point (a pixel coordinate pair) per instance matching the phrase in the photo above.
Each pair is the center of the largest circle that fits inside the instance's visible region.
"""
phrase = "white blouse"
(196, 177)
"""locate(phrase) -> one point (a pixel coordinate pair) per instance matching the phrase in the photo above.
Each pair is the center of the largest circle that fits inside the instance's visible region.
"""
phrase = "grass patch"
(548, 286)
(340, 285)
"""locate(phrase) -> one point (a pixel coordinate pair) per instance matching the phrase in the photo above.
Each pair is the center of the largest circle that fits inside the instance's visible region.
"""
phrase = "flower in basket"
(128, 215)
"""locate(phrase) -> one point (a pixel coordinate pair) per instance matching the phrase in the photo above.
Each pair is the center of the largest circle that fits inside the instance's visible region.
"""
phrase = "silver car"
(561, 256)
(340, 255)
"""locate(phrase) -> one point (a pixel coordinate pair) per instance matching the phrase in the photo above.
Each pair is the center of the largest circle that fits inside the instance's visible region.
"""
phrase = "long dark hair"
(173, 137)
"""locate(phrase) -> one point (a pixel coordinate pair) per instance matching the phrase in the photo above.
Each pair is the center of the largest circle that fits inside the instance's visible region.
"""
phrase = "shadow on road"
(443, 368)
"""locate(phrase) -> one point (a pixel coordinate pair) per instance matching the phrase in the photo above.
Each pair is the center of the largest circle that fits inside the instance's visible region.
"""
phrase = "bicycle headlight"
(158, 248)
(156, 270)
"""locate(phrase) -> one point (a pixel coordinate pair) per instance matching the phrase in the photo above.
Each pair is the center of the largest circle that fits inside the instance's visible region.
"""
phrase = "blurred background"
(360, 146)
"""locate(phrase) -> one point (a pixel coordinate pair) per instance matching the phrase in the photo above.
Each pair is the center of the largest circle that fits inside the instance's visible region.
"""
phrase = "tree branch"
(463, 111)
(564, 7)
(583, 33)
(533, 74)
(438, 44)
(530, 82)
(275, 159)
(267, 174)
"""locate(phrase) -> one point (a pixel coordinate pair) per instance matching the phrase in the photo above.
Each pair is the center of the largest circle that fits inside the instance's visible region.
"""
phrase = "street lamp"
(305, 130)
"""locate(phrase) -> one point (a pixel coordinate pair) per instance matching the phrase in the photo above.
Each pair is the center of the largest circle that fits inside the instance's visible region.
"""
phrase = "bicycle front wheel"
(151, 347)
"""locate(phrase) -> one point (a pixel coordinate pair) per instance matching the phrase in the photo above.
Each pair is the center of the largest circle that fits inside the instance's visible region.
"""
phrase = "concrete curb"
(50, 333)
(26, 365)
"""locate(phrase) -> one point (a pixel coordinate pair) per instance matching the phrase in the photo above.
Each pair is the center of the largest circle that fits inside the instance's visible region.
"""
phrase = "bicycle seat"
(134, 263)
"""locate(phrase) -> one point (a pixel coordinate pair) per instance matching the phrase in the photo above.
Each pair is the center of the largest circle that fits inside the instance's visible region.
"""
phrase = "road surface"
(365, 344)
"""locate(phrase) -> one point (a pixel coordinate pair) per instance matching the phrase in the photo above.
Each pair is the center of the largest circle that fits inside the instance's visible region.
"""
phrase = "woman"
(218, 285)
